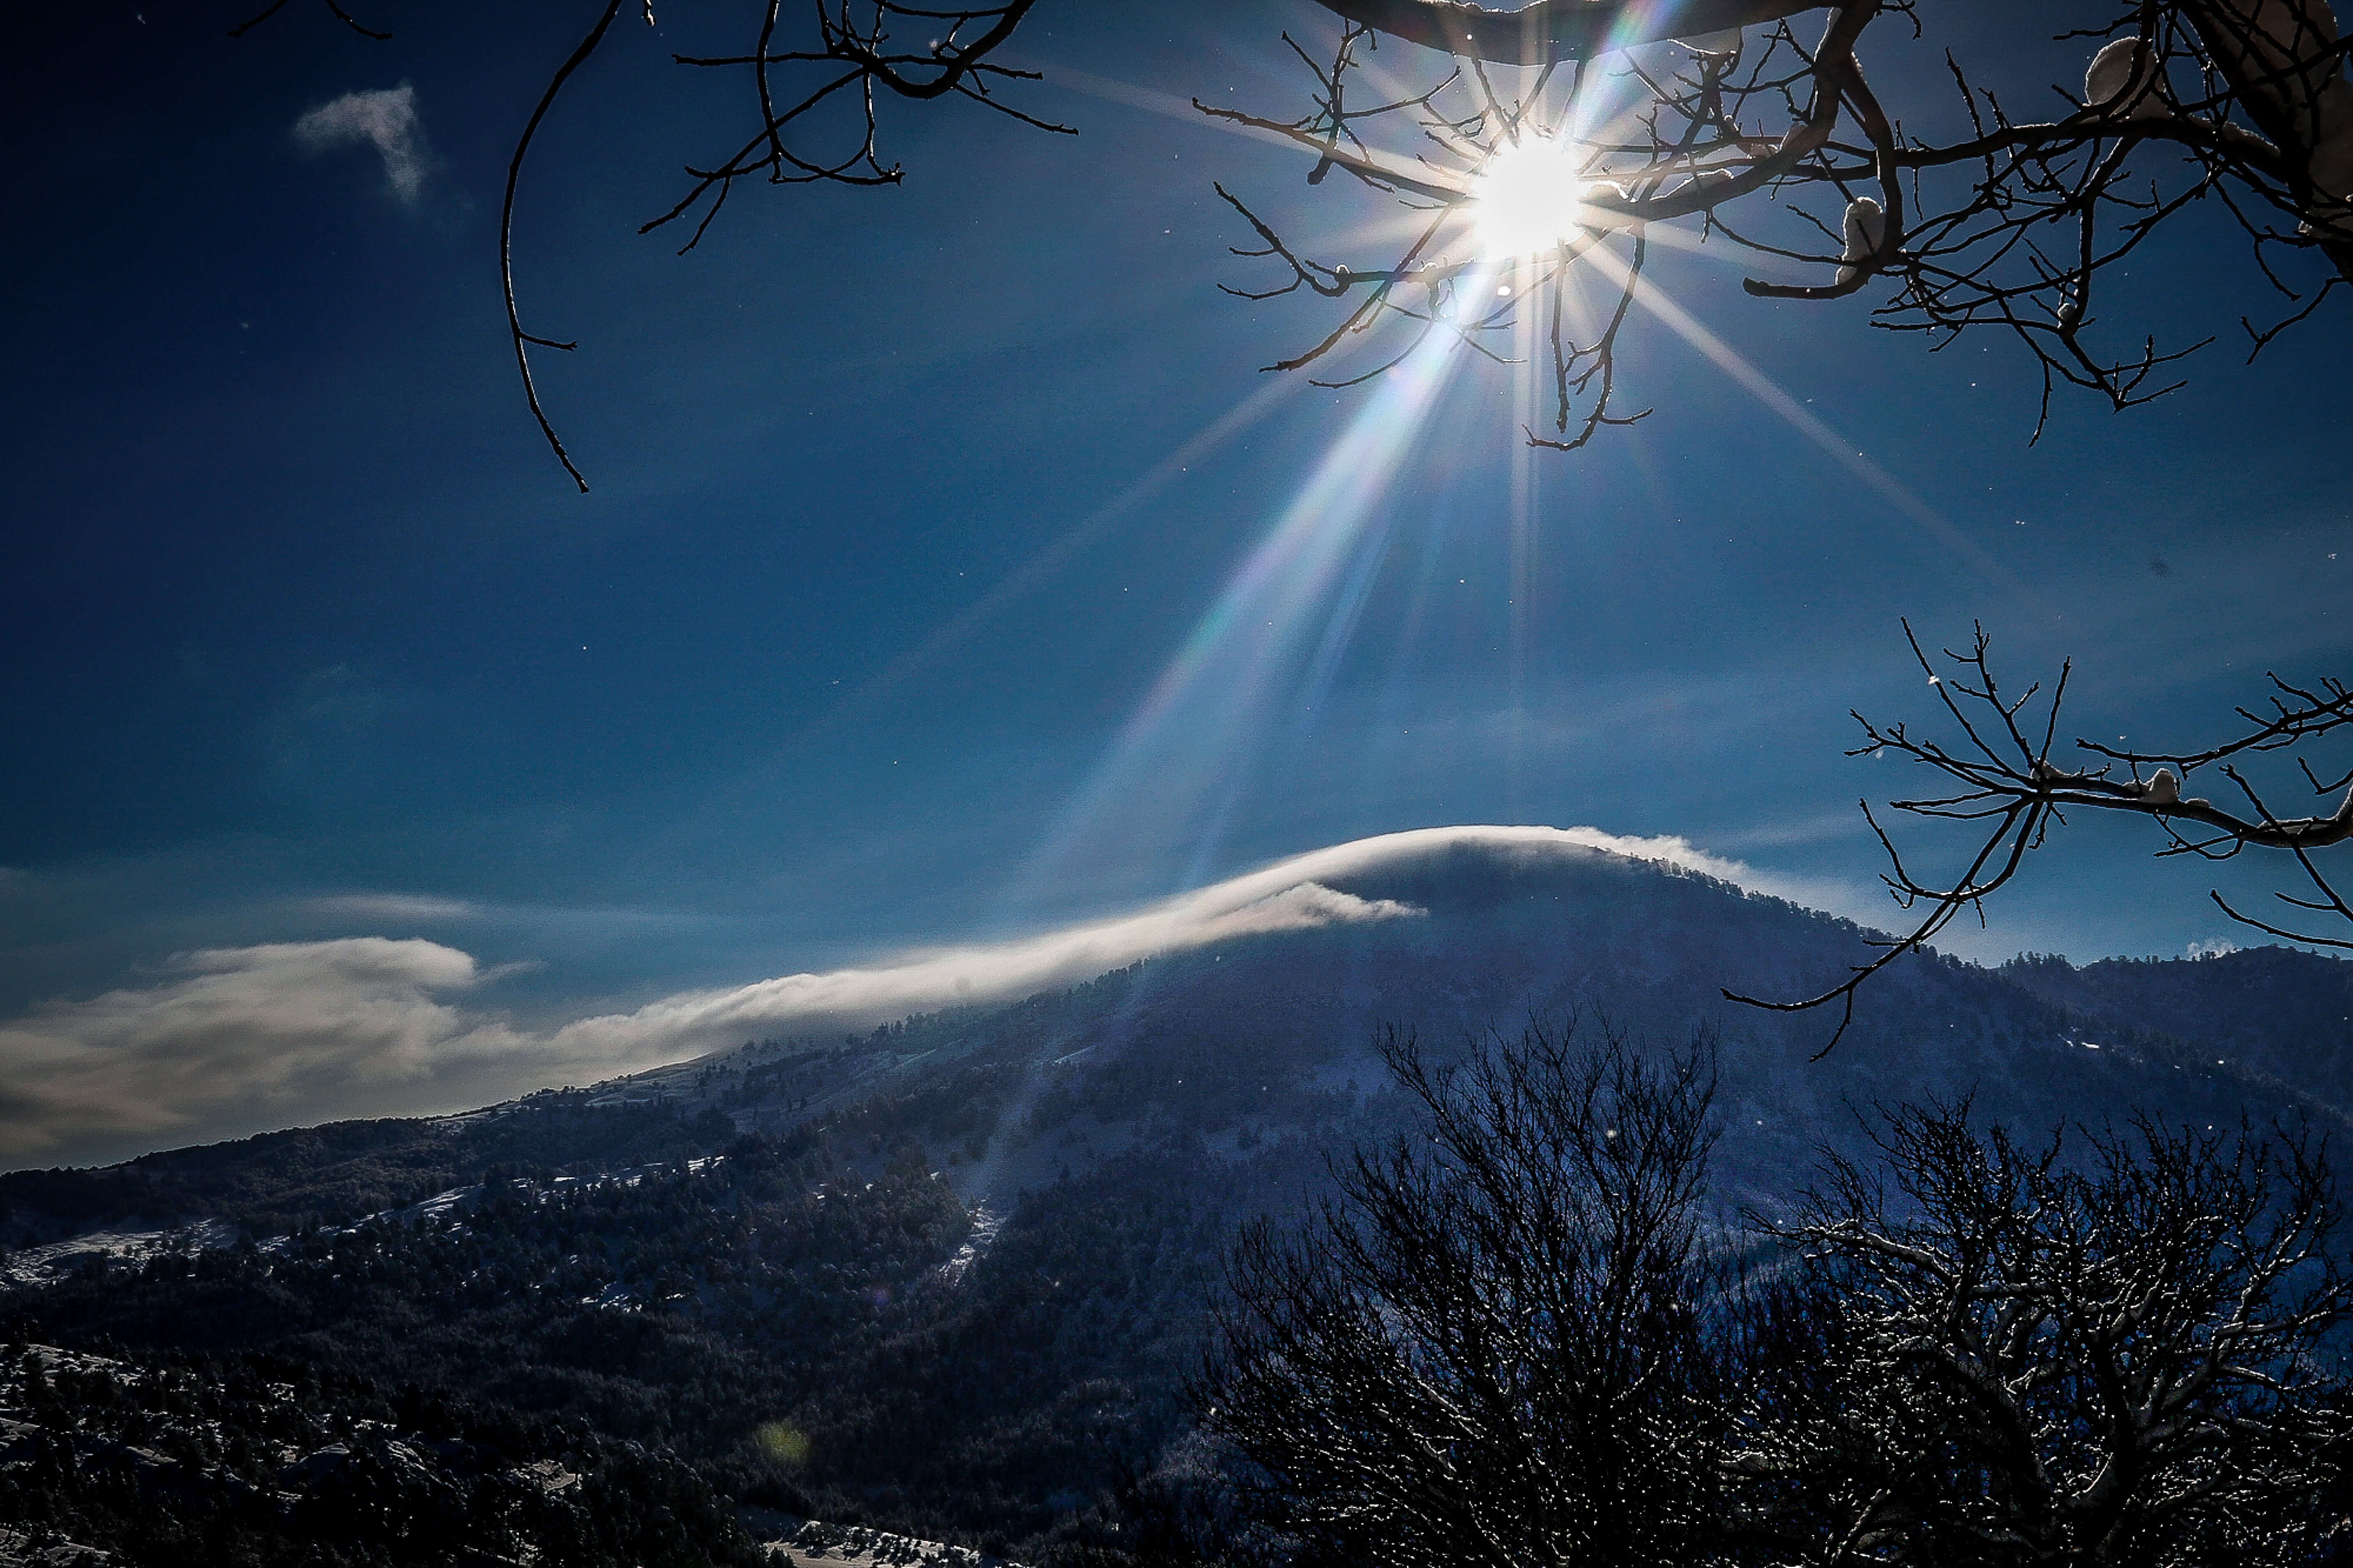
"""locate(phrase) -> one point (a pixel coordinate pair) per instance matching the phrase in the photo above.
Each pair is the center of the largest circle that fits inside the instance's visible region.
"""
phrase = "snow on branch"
(1996, 773)
(1777, 143)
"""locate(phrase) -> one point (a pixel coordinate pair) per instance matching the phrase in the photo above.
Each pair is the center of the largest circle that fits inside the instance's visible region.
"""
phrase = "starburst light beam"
(1275, 634)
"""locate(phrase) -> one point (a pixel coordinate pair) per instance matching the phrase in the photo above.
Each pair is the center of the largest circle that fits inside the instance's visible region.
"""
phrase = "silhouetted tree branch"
(1999, 777)
(1719, 115)
(2239, 103)
(1549, 30)
(818, 113)
(333, 7)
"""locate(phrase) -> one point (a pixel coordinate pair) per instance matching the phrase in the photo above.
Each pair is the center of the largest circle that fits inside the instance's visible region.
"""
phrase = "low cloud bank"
(239, 1039)
(385, 120)
(283, 1028)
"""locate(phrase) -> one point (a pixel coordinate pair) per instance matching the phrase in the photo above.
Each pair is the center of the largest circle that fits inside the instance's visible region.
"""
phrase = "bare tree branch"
(335, 7)
(2240, 107)
(2102, 1355)
(1549, 30)
(2004, 782)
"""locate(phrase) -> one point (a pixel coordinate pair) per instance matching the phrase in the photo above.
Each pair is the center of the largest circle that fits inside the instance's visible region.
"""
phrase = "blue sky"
(916, 598)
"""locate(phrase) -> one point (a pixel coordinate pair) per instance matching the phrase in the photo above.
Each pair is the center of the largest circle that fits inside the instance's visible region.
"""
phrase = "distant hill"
(2275, 1011)
(280, 1182)
(945, 1275)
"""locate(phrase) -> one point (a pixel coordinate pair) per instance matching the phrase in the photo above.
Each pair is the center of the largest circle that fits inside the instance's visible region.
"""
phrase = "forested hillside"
(260, 1461)
(948, 1277)
(2275, 1010)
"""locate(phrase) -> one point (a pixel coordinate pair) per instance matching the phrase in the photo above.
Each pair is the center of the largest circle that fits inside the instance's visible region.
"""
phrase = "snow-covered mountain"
(942, 1275)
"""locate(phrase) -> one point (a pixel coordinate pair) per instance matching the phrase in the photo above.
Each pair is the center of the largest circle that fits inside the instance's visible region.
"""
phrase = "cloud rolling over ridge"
(236, 1040)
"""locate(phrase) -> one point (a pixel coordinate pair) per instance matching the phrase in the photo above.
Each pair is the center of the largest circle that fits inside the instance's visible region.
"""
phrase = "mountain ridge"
(954, 1267)
(1486, 952)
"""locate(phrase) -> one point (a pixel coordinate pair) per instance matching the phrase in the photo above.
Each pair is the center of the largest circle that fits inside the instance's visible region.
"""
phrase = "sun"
(1528, 198)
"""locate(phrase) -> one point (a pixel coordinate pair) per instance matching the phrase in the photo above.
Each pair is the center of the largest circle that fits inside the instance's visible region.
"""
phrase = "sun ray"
(1840, 449)
(1271, 640)
(1262, 660)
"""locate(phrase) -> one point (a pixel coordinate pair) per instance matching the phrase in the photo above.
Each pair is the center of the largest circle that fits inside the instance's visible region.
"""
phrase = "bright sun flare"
(1526, 198)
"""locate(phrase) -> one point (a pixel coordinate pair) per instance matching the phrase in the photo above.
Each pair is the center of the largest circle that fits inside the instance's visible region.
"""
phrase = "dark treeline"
(1514, 1332)
(280, 1182)
(1512, 1338)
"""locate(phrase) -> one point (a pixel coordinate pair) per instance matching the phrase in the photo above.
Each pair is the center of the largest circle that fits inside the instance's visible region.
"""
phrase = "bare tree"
(1999, 777)
(818, 82)
(1607, 126)
(1613, 130)
(2050, 1356)
(1488, 1348)
(827, 84)
(1506, 1342)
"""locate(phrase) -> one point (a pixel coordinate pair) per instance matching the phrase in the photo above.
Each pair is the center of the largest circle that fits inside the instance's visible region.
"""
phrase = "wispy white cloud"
(385, 120)
(234, 1040)
(1815, 828)
(912, 982)
(1294, 894)
(393, 907)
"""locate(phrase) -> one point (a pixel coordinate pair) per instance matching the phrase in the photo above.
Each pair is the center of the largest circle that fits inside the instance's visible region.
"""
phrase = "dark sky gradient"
(895, 529)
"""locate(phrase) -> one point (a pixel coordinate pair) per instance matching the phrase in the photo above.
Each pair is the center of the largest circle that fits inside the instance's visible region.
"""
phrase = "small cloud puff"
(385, 120)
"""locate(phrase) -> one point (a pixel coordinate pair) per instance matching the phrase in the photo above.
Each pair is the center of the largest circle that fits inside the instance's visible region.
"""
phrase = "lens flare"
(1528, 198)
